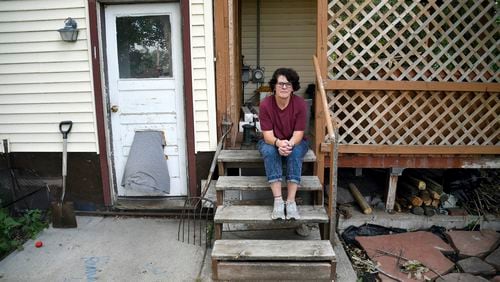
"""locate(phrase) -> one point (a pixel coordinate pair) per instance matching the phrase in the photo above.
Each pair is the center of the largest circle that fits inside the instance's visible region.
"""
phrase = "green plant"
(210, 230)
(8, 232)
(33, 222)
(15, 230)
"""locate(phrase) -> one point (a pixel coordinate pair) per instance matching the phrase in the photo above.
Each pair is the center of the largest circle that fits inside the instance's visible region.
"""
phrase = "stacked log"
(365, 207)
(419, 194)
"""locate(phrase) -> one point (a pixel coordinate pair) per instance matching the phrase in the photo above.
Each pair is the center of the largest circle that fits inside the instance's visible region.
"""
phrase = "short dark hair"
(290, 74)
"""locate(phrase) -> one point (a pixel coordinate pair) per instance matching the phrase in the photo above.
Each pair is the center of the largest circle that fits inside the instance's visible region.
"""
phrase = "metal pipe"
(258, 33)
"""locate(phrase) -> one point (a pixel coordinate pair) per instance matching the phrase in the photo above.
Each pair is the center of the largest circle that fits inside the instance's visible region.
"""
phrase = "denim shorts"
(273, 161)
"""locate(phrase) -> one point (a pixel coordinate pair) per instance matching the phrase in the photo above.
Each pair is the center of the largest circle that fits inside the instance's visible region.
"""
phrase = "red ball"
(38, 244)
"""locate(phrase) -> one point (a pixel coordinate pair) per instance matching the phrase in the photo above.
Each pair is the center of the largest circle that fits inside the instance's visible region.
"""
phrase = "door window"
(144, 46)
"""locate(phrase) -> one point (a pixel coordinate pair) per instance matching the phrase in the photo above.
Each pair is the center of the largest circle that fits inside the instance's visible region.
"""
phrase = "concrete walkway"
(122, 249)
(108, 249)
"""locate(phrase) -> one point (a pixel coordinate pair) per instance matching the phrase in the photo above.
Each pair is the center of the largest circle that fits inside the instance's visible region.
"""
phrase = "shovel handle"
(65, 128)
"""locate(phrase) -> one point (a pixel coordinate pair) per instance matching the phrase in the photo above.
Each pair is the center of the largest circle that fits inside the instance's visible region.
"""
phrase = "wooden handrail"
(329, 126)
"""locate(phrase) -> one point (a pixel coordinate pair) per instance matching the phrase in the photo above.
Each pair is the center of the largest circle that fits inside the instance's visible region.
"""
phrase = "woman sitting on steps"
(283, 122)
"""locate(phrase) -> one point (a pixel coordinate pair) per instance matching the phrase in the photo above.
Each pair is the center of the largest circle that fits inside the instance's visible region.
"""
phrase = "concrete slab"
(422, 246)
(473, 243)
(345, 271)
(127, 249)
(107, 249)
(415, 222)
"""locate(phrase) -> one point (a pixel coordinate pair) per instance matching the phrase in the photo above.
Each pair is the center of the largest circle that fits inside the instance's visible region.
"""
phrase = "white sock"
(278, 199)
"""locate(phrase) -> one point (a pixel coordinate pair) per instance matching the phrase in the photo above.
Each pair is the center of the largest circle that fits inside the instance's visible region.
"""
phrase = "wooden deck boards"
(259, 183)
(262, 214)
(246, 156)
(298, 250)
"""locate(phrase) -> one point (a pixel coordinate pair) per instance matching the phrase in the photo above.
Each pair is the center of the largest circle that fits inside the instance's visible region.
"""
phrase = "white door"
(144, 60)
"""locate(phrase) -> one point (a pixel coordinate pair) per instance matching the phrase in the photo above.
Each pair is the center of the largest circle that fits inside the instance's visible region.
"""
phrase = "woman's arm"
(269, 137)
(296, 138)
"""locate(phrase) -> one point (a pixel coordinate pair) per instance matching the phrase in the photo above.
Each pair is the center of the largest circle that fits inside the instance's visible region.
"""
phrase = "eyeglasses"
(284, 84)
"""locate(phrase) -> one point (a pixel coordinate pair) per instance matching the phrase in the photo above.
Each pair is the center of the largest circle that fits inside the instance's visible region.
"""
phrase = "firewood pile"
(424, 193)
(419, 194)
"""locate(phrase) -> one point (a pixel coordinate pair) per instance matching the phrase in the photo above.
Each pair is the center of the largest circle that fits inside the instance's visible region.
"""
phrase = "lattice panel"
(430, 40)
(416, 118)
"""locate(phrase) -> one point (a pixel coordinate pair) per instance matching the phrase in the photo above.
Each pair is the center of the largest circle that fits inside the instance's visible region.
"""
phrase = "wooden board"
(252, 156)
(262, 214)
(414, 149)
(417, 161)
(273, 250)
(259, 183)
(274, 271)
(411, 85)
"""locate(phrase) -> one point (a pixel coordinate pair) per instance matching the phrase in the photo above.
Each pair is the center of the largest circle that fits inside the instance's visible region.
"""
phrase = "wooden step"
(259, 183)
(245, 214)
(262, 214)
(247, 159)
(273, 250)
(273, 260)
(245, 156)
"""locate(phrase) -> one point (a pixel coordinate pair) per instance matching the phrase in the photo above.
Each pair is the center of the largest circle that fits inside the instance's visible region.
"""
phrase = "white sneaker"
(291, 211)
(278, 210)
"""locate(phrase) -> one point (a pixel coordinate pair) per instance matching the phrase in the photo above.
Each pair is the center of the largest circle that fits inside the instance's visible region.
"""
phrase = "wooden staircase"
(268, 259)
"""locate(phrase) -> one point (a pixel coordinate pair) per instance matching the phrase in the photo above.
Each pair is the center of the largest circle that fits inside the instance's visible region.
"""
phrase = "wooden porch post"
(319, 124)
(222, 60)
(227, 54)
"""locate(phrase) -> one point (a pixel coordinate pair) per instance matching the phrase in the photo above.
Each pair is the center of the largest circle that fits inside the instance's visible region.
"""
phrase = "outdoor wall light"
(69, 32)
(245, 73)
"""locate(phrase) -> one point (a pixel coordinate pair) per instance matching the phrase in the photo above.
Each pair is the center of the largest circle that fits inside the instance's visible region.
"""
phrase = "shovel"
(63, 213)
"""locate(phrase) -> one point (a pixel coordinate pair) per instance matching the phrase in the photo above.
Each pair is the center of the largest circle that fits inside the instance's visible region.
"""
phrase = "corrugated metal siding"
(44, 80)
(287, 38)
(202, 61)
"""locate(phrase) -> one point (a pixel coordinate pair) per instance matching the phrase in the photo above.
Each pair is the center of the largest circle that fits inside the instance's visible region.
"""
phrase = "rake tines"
(201, 209)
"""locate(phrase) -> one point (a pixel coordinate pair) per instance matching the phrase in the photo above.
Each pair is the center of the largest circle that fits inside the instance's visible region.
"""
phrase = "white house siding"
(287, 38)
(44, 80)
(203, 79)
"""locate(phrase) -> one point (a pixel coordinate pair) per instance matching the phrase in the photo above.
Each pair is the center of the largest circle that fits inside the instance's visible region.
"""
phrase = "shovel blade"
(63, 215)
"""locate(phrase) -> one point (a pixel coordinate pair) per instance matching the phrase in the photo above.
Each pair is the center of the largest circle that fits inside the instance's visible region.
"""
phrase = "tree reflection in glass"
(144, 46)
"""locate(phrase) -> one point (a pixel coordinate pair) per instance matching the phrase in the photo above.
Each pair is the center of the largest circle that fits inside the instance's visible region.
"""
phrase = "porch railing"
(331, 138)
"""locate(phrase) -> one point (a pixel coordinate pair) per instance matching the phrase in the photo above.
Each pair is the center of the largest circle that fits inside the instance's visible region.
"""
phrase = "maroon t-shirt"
(283, 122)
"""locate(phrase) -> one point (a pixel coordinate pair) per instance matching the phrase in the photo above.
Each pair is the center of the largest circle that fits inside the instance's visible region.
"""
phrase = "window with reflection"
(144, 46)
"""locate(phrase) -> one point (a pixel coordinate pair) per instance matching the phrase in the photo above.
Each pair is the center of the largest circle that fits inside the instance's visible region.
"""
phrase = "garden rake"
(197, 213)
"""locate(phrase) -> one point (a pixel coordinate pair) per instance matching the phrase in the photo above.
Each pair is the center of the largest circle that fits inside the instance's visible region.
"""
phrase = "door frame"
(97, 43)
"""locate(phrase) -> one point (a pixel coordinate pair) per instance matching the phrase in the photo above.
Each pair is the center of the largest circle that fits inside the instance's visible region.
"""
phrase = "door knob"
(114, 108)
